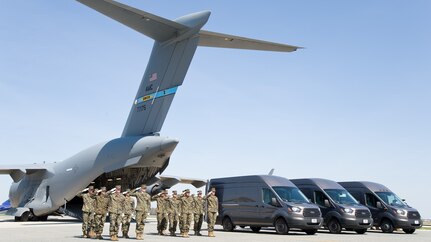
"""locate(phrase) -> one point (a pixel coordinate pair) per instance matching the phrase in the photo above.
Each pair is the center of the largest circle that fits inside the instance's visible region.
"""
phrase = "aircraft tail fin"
(213, 39)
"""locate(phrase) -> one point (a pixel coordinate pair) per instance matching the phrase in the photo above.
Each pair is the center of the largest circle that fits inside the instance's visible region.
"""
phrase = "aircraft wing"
(213, 39)
(17, 172)
(173, 180)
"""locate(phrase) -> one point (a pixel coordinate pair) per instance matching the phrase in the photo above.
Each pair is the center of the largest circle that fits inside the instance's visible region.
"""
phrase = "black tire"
(43, 218)
(310, 231)
(255, 229)
(360, 231)
(409, 231)
(281, 226)
(228, 225)
(334, 226)
(24, 217)
(387, 226)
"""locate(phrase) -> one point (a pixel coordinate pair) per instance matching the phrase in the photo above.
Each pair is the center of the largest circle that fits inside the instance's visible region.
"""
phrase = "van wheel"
(360, 231)
(387, 226)
(43, 218)
(281, 226)
(228, 225)
(409, 231)
(310, 231)
(255, 229)
(334, 226)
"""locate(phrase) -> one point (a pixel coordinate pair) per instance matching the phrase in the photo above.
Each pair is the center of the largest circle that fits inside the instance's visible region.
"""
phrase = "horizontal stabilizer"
(18, 172)
(153, 26)
(213, 39)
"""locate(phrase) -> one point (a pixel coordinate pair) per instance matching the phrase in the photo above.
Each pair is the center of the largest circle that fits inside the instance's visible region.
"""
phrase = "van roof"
(372, 186)
(320, 182)
(268, 179)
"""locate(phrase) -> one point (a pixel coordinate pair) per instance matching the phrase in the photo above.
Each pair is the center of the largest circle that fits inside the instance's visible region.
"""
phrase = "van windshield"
(290, 194)
(341, 196)
(391, 199)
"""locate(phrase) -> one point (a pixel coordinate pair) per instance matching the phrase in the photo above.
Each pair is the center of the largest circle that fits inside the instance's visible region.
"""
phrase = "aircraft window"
(320, 198)
(267, 196)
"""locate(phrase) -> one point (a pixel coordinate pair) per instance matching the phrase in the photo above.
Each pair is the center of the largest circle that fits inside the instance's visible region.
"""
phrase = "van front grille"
(311, 212)
(413, 215)
(362, 213)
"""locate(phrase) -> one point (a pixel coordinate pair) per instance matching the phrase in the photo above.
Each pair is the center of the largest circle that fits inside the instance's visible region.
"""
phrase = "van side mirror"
(274, 202)
(327, 204)
(379, 205)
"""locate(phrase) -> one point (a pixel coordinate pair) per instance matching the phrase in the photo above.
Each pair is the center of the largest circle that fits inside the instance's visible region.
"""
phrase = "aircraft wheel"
(24, 217)
(281, 226)
(334, 226)
(409, 231)
(387, 226)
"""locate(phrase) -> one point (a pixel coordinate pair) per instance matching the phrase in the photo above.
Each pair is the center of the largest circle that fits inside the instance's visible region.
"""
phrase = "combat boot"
(198, 233)
(173, 233)
(125, 235)
(84, 235)
(211, 234)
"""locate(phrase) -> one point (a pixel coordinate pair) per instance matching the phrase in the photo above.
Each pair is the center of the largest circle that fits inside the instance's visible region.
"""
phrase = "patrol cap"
(165, 191)
(118, 186)
(200, 192)
(91, 187)
(103, 189)
(174, 192)
(213, 189)
(187, 191)
(143, 186)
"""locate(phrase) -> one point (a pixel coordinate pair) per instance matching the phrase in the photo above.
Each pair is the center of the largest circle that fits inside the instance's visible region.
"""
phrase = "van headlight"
(401, 212)
(296, 209)
(349, 210)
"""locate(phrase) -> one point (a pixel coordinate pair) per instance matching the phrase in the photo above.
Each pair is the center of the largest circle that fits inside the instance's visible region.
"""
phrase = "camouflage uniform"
(129, 207)
(116, 204)
(87, 213)
(186, 213)
(142, 208)
(199, 211)
(212, 206)
(102, 203)
(162, 211)
(174, 213)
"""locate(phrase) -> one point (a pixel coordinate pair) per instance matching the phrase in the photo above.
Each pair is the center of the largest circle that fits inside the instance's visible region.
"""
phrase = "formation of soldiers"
(175, 210)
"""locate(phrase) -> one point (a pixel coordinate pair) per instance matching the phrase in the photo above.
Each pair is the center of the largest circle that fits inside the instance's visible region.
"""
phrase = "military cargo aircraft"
(39, 190)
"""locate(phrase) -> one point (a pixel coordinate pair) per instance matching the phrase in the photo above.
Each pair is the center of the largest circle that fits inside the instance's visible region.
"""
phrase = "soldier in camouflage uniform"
(116, 204)
(162, 211)
(142, 208)
(186, 213)
(174, 214)
(129, 207)
(87, 211)
(102, 202)
(199, 211)
(212, 207)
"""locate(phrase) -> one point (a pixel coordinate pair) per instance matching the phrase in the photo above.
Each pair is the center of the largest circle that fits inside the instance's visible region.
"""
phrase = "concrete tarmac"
(69, 229)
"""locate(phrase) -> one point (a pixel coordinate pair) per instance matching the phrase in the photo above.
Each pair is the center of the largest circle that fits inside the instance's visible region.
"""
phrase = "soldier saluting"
(174, 214)
(186, 213)
(199, 211)
(129, 207)
(115, 209)
(102, 202)
(162, 211)
(212, 206)
(87, 211)
(143, 205)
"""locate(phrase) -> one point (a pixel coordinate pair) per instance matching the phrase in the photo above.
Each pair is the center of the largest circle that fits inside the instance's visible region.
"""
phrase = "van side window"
(370, 200)
(319, 198)
(267, 196)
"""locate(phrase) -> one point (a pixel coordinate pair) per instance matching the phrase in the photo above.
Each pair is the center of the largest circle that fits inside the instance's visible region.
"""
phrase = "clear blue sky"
(353, 105)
